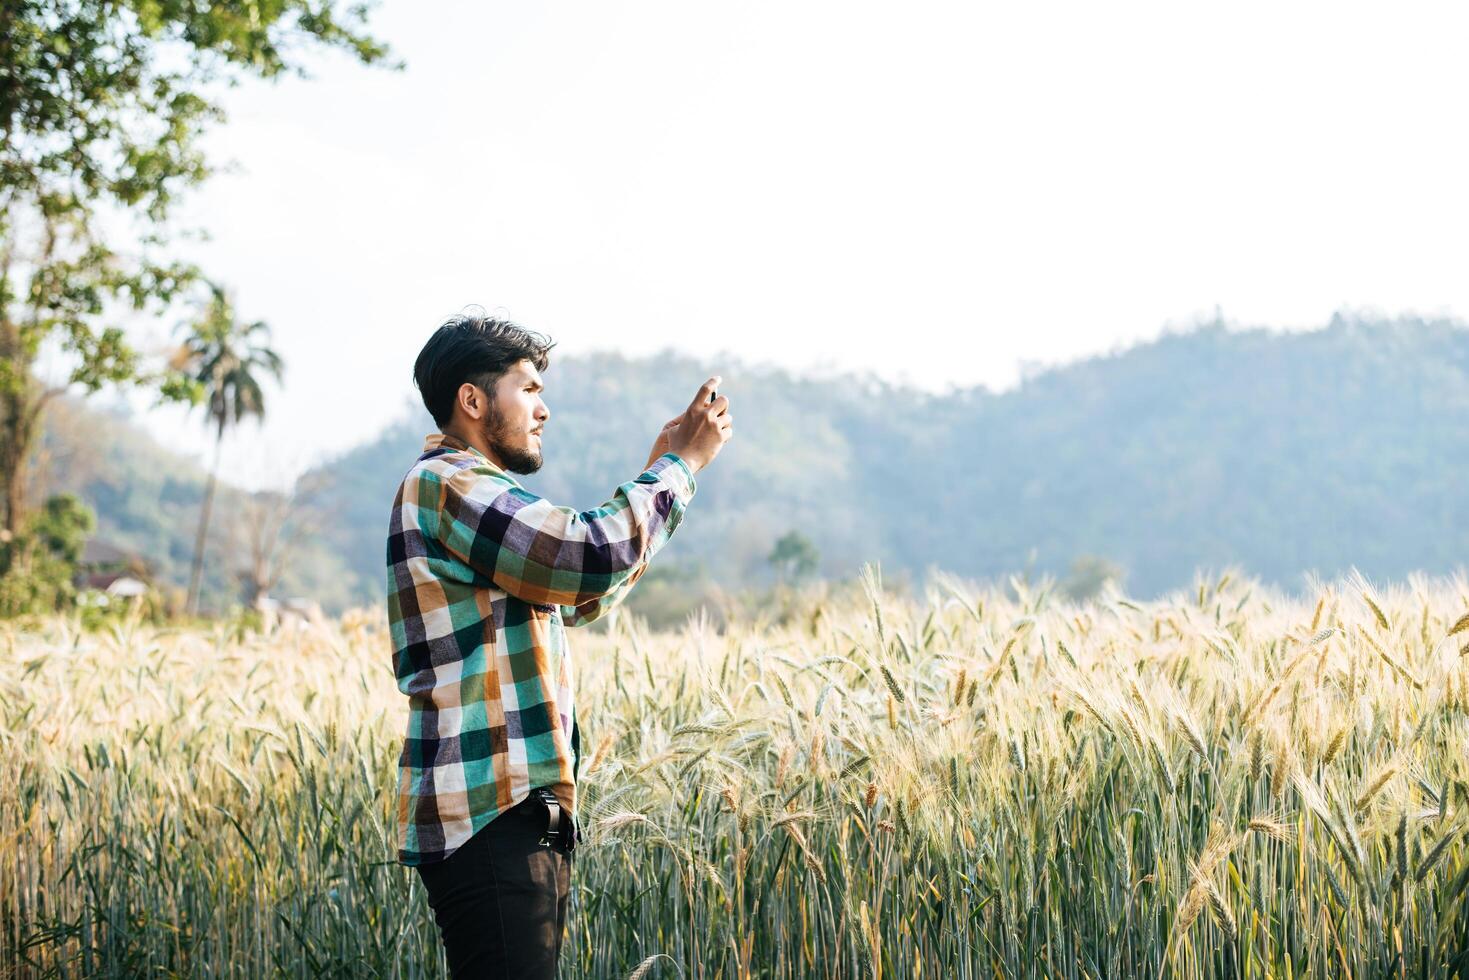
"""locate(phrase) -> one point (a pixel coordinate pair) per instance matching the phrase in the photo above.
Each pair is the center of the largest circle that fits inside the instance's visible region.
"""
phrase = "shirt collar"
(435, 440)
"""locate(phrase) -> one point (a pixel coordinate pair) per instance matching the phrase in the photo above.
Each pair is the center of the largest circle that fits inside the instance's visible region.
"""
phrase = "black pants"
(500, 900)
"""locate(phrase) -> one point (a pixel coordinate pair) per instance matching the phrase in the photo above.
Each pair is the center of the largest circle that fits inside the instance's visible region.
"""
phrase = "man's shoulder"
(434, 469)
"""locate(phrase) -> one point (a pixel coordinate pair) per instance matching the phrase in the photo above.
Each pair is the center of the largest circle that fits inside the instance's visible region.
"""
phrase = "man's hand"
(710, 426)
(704, 428)
(660, 445)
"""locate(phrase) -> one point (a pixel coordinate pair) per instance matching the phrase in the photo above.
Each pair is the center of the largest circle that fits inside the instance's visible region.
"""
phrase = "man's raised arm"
(549, 555)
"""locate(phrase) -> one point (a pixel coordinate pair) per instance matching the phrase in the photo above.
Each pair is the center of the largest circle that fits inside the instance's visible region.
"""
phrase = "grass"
(1227, 782)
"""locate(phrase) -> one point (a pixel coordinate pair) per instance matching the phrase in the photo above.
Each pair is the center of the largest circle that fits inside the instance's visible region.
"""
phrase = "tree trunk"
(12, 463)
(17, 432)
(12, 412)
(21, 396)
(196, 573)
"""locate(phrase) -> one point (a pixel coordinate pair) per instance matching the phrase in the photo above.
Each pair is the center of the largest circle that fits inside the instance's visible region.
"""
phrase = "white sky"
(932, 192)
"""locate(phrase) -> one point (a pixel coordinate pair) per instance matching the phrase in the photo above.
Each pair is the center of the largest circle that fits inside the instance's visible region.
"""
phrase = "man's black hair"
(473, 347)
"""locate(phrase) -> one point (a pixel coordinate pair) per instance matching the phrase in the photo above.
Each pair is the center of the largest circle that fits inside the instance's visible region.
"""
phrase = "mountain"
(147, 500)
(1282, 453)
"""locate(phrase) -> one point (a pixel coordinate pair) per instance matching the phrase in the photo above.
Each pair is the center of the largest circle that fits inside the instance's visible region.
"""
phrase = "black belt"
(561, 829)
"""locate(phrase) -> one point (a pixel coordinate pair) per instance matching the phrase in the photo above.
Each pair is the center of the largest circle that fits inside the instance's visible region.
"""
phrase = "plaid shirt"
(483, 578)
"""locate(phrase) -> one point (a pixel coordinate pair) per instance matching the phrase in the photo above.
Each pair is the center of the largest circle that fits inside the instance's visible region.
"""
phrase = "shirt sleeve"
(549, 555)
(590, 612)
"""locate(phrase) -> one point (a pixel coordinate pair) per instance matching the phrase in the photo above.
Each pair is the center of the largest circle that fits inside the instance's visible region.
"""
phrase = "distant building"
(289, 614)
(107, 568)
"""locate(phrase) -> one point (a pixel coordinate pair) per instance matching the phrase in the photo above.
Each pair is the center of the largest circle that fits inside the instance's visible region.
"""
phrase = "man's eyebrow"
(534, 384)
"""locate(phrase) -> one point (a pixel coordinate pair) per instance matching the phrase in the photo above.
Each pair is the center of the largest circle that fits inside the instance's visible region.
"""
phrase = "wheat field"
(977, 782)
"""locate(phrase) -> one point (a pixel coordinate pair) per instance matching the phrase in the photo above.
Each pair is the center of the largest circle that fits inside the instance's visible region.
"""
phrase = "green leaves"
(102, 107)
(43, 557)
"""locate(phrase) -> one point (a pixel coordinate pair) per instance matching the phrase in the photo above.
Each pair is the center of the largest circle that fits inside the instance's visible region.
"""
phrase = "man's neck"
(476, 442)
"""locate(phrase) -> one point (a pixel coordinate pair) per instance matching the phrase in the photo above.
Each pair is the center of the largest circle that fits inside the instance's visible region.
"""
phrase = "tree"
(267, 535)
(38, 564)
(222, 355)
(794, 556)
(102, 106)
(1089, 576)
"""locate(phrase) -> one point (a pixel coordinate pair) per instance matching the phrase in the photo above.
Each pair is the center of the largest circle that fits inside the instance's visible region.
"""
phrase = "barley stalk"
(1061, 818)
(1375, 786)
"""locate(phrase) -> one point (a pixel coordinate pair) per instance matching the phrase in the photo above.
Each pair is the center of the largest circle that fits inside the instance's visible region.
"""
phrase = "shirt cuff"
(678, 476)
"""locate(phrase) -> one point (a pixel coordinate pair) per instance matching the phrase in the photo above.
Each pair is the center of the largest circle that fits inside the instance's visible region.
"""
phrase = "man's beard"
(516, 459)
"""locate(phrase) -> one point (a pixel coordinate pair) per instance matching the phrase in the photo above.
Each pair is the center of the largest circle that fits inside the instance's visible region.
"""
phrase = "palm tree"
(224, 356)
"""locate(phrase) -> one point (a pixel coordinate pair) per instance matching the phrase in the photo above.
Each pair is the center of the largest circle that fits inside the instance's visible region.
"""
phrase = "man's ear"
(474, 399)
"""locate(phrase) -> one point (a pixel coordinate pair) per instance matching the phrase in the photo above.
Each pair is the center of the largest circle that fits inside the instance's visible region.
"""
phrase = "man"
(483, 578)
